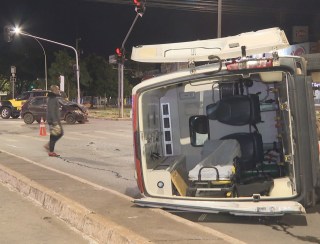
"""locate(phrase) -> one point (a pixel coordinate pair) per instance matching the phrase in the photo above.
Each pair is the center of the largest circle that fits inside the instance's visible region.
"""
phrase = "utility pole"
(219, 18)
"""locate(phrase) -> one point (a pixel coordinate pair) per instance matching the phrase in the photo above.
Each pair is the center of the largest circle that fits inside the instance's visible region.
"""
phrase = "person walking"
(53, 120)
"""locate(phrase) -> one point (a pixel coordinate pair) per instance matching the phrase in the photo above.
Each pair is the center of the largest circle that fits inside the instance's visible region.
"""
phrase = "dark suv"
(36, 108)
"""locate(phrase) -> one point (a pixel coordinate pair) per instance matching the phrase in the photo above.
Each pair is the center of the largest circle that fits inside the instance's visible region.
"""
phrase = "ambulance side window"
(199, 130)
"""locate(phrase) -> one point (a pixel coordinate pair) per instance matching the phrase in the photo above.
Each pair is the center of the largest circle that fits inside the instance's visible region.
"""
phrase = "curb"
(83, 219)
(91, 220)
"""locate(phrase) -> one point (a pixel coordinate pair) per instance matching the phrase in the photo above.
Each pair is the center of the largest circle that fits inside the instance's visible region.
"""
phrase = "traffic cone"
(43, 131)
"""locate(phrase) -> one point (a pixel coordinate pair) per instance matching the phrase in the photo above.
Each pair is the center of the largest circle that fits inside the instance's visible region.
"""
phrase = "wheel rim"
(5, 112)
(70, 119)
(28, 119)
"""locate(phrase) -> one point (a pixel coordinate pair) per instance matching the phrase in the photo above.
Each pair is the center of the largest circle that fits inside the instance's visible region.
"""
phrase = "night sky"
(103, 26)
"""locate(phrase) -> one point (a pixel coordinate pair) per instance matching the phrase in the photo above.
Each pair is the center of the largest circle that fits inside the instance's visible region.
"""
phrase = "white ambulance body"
(236, 134)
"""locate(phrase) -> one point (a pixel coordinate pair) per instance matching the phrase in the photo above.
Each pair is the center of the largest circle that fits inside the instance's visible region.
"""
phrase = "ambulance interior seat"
(251, 147)
(236, 110)
(241, 110)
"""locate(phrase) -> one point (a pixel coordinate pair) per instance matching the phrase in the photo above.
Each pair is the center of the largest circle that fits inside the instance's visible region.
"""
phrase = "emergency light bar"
(249, 64)
(258, 42)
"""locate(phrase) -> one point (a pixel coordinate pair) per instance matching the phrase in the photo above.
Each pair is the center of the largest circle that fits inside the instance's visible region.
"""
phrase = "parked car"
(11, 108)
(36, 108)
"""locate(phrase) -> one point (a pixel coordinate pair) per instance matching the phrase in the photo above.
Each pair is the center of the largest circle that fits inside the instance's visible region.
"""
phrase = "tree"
(104, 79)
(4, 84)
(65, 65)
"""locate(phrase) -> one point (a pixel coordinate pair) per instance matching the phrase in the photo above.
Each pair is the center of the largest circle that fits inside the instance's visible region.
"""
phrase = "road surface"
(101, 152)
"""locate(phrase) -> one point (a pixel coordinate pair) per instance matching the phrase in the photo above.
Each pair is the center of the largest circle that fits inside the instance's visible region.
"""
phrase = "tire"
(5, 113)
(28, 118)
(70, 119)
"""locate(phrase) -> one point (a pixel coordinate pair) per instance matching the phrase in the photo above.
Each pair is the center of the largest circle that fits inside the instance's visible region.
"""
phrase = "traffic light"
(8, 33)
(120, 54)
(140, 6)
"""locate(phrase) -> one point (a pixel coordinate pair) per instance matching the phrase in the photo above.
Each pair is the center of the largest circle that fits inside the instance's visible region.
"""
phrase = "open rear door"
(267, 208)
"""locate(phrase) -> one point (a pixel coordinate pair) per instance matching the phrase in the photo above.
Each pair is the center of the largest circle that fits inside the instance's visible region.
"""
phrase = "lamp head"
(16, 30)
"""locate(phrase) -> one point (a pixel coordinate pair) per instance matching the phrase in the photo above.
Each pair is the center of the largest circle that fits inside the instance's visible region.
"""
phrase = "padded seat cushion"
(236, 110)
(251, 149)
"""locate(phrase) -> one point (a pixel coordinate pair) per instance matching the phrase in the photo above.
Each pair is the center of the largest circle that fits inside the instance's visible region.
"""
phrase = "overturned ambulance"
(235, 132)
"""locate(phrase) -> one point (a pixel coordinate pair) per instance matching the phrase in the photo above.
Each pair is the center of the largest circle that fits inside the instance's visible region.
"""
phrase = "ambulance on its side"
(235, 132)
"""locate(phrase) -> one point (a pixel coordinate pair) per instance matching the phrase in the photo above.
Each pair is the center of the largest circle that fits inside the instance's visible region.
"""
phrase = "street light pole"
(77, 46)
(61, 44)
(45, 63)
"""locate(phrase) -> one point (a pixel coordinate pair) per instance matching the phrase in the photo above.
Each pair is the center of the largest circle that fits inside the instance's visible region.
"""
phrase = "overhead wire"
(229, 6)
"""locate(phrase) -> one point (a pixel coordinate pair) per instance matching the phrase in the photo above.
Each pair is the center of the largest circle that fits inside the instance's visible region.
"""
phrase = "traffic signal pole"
(133, 23)
(121, 69)
(140, 8)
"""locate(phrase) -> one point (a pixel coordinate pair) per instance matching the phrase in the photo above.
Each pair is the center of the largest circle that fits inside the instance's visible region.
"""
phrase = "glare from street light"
(16, 30)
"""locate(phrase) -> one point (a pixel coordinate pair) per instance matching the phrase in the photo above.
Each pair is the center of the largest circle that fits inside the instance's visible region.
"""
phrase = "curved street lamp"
(45, 63)
(18, 31)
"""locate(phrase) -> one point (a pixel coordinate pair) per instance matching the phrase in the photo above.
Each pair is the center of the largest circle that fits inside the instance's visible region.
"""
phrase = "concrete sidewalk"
(22, 221)
(104, 215)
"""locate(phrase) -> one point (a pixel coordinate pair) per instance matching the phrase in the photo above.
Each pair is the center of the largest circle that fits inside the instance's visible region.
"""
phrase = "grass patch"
(109, 113)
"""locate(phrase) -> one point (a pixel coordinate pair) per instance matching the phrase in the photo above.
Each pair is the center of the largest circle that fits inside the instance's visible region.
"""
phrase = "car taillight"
(249, 64)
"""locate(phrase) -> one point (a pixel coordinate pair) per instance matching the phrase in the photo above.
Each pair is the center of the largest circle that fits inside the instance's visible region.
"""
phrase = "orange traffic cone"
(43, 131)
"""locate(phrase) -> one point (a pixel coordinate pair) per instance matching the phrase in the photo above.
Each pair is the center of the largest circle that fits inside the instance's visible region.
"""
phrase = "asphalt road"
(101, 151)
(276, 230)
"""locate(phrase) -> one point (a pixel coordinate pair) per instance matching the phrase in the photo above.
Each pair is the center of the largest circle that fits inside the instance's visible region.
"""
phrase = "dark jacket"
(53, 112)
